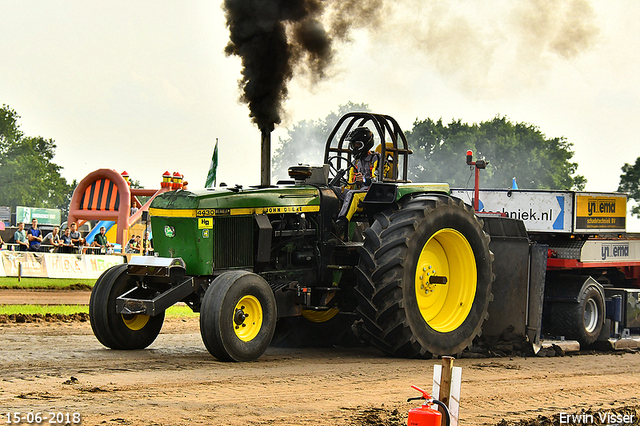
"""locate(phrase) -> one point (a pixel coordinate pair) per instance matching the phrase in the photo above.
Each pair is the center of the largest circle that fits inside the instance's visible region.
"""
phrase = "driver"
(361, 176)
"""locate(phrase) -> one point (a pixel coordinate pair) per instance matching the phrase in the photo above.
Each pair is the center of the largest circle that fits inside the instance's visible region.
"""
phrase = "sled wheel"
(580, 321)
(425, 278)
(238, 316)
(114, 330)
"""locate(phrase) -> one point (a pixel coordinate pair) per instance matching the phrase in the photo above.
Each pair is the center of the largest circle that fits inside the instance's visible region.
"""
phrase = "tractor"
(414, 267)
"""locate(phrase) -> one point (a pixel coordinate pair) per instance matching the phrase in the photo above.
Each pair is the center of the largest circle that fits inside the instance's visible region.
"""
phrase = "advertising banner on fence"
(30, 264)
(54, 265)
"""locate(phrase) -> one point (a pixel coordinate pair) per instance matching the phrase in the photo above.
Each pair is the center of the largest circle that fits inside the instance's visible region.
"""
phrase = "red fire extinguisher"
(425, 415)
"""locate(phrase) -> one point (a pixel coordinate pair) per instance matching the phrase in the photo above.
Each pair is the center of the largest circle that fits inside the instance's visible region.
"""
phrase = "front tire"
(425, 278)
(238, 316)
(114, 330)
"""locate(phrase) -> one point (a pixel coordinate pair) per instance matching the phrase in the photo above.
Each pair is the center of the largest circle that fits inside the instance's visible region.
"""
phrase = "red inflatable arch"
(105, 195)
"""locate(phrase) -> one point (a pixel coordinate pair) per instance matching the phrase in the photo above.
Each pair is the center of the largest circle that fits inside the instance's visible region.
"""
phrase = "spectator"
(34, 235)
(100, 240)
(53, 239)
(20, 237)
(147, 247)
(76, 236)
(132, 245)
(1, 242)
(66, 245)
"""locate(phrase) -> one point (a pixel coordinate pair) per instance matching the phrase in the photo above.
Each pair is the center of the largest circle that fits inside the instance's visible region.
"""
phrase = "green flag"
(211, 176)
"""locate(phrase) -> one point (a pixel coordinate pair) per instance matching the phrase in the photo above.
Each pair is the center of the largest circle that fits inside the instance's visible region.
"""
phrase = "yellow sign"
(601, 206)
(600, 212)
(205, 223)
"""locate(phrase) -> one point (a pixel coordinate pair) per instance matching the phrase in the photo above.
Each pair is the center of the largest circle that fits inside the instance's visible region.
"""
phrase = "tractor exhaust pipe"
(265, 158)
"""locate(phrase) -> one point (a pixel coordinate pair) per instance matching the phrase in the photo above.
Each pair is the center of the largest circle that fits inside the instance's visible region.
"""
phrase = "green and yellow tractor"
(414, 268)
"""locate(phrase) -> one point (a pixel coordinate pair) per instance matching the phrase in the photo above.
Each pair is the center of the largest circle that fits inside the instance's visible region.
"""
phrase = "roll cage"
(393, 148)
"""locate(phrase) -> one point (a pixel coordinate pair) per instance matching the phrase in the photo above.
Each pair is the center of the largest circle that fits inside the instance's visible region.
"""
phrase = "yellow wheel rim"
(135, 322)
(446, 256)
(320, 316)
(247, 318)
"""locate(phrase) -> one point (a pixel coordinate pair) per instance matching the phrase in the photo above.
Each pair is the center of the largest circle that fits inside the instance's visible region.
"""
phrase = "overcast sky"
(144, 86)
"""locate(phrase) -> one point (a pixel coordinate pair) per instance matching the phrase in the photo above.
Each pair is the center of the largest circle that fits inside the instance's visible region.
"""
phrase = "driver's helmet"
(360, 141)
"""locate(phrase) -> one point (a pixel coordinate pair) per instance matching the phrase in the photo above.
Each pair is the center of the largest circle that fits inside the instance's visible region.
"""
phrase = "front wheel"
(238, 316)
(114, 330)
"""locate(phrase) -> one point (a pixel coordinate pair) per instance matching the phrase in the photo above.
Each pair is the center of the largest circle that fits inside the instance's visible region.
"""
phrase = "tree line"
(29, 177)
(439, 151)
(517, 150)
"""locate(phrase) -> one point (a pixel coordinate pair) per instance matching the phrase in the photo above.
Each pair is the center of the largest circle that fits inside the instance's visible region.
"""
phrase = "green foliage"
(28, 176)
(517, 150)
(630, 183)
(513, 150)
(9, 131)
(306, 140)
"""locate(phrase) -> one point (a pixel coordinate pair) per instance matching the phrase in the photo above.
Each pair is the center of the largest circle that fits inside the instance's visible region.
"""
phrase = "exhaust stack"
(265, 158)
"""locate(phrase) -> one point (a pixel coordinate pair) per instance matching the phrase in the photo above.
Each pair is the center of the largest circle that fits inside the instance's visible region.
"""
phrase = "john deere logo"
(169, 231)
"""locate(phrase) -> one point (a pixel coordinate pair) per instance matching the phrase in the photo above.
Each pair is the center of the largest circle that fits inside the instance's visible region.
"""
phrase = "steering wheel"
(337, 175)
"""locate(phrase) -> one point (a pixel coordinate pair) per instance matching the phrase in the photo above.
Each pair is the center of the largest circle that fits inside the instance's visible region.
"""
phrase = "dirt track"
(44, 297)
(61, 367)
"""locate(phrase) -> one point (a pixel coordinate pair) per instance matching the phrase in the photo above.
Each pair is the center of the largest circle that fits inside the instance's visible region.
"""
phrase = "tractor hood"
(236, 201)
(183, 223)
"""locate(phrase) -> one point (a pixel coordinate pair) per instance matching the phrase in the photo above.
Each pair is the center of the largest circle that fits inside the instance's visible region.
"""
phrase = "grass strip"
(47, 283)
(177, 311)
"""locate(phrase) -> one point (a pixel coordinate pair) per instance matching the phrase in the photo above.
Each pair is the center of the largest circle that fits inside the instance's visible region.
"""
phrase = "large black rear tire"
(425, 278)
(114, 330)
(238, 316)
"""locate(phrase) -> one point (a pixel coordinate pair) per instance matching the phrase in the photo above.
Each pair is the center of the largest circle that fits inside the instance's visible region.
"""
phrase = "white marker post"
(447, 381)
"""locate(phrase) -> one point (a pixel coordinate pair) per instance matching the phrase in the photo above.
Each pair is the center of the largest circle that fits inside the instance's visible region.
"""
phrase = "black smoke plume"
(276, 39)
(272, 37)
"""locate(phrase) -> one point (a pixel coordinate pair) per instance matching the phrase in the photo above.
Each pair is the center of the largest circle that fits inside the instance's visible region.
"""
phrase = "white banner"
(541, 211)
(30, 264)
(55, 265)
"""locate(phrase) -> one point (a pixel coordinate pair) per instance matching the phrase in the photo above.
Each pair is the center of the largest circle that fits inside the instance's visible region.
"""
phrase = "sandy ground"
(61, 368)
(58, 367)
(44, 297)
